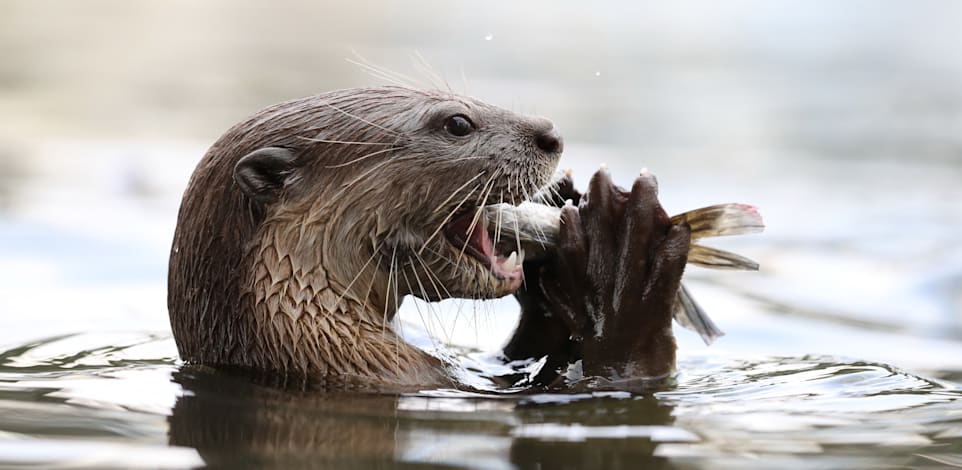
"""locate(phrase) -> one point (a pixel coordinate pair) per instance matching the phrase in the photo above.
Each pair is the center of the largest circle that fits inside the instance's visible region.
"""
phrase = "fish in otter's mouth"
(468, 233)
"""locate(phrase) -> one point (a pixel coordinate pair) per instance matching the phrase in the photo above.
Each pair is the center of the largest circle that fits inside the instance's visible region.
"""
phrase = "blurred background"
(841, 121)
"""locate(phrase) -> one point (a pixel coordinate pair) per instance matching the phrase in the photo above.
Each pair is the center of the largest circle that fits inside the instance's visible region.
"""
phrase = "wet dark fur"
(321, 201)
(605, 300)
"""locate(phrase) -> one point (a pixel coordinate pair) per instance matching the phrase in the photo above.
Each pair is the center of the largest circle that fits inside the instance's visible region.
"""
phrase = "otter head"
(331, 208)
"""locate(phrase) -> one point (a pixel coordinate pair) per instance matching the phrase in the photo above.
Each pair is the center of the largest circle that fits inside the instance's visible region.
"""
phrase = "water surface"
(68, 401)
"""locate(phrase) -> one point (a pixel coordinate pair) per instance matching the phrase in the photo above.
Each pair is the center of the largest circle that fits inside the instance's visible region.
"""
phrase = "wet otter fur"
(303, 227)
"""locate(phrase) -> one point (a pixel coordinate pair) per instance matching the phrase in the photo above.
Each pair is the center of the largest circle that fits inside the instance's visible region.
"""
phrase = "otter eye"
(458, 125)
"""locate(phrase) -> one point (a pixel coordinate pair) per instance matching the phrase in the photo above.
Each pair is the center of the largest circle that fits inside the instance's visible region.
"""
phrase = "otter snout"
(546, 136)
(550, 140)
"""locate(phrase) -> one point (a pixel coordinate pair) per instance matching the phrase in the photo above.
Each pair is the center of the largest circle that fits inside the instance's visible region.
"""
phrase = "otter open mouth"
(470, 235)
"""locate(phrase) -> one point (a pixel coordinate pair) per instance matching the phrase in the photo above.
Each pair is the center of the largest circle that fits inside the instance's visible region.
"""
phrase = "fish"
(535, 227)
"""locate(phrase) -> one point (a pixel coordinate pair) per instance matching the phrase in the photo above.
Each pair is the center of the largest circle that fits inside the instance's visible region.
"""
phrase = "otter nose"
(549, 140)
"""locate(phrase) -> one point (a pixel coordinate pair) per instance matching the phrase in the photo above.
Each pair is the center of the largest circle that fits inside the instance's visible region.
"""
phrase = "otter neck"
(311, 320)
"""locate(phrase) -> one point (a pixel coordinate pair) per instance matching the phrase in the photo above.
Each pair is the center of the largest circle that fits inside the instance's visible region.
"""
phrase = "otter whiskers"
(446, 220)
(365, 157)
(479, 209)
(341, 142)
(375, 252)
(455, 192)
(360, 119)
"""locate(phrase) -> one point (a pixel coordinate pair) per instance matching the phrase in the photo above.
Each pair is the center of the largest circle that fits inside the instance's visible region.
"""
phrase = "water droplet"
(488, 37)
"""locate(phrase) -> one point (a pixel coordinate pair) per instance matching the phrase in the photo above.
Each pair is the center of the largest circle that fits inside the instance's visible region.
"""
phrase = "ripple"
(82, 400)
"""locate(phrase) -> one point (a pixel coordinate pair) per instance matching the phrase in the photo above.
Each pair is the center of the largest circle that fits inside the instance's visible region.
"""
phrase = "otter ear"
(262, 173)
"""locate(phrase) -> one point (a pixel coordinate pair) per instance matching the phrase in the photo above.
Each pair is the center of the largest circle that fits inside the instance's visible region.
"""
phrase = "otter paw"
(621, 261)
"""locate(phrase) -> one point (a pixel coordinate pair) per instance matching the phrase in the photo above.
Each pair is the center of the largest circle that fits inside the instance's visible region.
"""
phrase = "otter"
(304, 226)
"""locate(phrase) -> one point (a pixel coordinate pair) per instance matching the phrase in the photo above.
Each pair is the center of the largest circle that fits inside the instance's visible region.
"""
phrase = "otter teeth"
(513, 262)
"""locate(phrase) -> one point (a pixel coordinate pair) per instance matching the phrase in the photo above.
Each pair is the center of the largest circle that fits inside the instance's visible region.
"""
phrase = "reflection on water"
(74, 403)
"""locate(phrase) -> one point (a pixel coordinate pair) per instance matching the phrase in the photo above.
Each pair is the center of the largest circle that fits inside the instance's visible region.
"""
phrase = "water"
(70, 401)
(842, 122)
